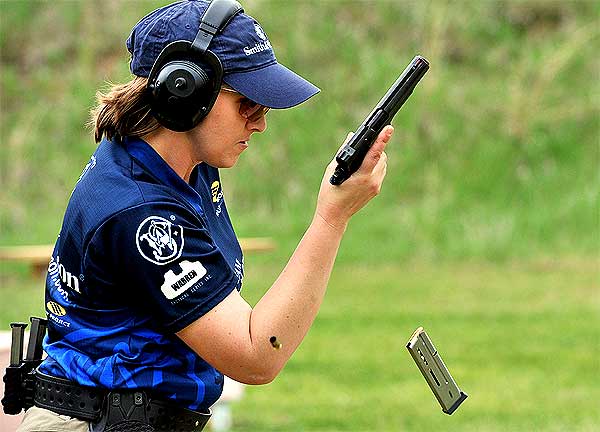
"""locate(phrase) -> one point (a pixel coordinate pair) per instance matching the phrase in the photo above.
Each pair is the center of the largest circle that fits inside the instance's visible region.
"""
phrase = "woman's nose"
(258, 125)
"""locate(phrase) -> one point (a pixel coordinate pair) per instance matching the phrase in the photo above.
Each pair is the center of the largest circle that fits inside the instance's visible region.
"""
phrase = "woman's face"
(225, 133)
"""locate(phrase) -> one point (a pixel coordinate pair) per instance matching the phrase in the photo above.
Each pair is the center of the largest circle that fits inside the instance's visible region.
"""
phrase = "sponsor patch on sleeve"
(176, 284)
(159, 241)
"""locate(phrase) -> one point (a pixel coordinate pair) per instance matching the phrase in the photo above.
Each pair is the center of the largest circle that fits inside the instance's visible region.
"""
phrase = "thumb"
(378, 147)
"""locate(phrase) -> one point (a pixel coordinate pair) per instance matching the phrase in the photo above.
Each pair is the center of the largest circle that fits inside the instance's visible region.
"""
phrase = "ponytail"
(123, 111)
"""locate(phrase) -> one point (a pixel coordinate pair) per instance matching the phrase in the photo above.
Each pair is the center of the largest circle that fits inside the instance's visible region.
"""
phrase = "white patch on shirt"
(176, 284)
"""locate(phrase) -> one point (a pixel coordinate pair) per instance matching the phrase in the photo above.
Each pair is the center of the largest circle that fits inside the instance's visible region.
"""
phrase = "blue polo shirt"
(141, 255)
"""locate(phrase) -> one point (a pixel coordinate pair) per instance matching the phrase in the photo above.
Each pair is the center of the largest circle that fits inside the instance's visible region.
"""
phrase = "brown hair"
(123, 111)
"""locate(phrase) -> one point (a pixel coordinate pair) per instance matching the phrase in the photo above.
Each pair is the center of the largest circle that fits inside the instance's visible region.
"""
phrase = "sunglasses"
(250, 110)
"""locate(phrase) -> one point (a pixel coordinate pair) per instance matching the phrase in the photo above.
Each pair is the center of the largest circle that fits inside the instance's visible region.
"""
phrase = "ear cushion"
(182, 78)
(181, 82)
(181, 93)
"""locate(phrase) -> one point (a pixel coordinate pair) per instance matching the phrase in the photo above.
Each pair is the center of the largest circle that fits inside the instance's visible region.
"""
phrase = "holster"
(19, 377)
(134, 411)
(124, 412)
(19, 388)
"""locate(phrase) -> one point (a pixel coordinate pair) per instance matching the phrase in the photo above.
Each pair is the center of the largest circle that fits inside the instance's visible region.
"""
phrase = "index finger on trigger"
(383, 138)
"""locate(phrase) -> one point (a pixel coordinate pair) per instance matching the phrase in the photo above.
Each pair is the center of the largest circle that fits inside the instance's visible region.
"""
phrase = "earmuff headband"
(215, 18)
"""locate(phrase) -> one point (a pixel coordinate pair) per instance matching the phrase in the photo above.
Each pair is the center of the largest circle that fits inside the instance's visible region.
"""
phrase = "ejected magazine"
(434, 371)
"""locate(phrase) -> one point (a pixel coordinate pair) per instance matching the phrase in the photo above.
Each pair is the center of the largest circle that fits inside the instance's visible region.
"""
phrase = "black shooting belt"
(114, 410)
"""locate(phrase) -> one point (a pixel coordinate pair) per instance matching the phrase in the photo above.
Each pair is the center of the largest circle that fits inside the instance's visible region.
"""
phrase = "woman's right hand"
(337, 204)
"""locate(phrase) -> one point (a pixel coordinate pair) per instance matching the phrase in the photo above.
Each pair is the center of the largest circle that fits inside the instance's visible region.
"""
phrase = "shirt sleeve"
(163, 259)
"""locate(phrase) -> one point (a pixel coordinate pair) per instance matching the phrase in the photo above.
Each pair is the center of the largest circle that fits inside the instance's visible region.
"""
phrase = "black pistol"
(350, 157)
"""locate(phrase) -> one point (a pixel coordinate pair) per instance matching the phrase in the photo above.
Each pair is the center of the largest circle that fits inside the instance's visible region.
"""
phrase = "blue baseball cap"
(249, 63)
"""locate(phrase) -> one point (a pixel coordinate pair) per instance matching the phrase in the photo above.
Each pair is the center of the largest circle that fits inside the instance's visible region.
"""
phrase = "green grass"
(521, 339)
(21, 295)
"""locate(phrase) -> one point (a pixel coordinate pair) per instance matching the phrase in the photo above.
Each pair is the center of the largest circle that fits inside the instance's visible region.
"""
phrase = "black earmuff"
(185, 79)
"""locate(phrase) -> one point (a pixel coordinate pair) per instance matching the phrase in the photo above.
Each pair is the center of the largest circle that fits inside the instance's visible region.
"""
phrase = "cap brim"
(273, 86)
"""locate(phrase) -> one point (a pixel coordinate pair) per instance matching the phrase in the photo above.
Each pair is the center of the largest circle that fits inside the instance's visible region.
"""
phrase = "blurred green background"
(486, 232)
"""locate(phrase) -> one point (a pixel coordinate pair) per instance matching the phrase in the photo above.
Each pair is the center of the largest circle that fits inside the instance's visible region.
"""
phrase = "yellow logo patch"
(56, 309)
(215, 191)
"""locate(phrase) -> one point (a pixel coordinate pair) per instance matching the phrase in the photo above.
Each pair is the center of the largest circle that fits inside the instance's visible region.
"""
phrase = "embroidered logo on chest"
(217, 196)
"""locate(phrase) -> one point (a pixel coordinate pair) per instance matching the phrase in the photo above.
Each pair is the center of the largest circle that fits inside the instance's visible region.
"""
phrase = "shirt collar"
(152, 162)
